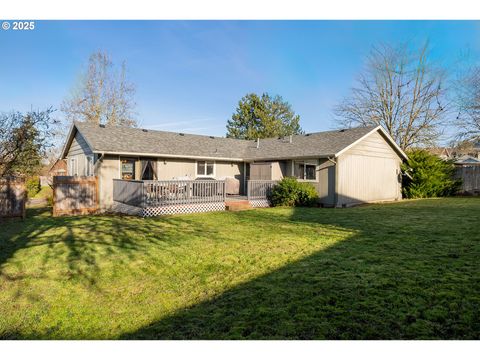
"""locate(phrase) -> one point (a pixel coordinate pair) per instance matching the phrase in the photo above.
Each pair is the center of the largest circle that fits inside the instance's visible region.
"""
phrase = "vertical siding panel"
(369, 172)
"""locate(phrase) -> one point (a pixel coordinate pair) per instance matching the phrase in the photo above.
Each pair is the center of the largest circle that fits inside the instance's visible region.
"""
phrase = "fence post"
(224, 190)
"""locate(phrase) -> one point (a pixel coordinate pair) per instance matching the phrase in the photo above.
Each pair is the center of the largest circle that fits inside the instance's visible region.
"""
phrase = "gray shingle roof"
(113, 139)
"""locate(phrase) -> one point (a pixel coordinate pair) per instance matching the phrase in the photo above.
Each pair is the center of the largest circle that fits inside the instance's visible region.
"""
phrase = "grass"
(44, 193)
(399, 271)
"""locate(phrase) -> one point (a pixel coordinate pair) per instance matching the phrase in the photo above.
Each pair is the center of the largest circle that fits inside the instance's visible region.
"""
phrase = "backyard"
(407, 270)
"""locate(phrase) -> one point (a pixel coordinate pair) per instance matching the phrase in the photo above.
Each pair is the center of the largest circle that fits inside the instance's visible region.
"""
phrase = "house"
(58, 168)
(346, 167)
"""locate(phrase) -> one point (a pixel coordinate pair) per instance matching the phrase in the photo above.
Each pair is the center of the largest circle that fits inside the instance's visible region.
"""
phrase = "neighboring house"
(468, 170)
(346, 166)
(59, 168)
(467, 160)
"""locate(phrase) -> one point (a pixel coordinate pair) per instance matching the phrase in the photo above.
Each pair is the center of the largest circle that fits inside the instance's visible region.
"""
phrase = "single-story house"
(346, 167)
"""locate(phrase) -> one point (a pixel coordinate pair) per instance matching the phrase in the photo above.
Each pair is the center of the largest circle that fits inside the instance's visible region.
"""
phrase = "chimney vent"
(291, 139)
(258, 143)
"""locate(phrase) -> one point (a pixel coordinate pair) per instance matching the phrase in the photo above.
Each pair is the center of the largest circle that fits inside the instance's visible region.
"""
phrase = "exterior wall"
(326, 182)
(368, 172)
(107, 169)
(233, 169)
(278, 170)
(78, 150)
(170, 168)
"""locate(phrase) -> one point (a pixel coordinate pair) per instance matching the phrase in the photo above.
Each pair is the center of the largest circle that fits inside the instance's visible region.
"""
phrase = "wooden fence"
(13, 197)
(470, 176)
(75, 195)
(260, 189)
(152, 193)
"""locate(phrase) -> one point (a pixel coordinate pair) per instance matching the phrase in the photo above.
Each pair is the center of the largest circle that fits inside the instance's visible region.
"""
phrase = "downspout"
(335, 190)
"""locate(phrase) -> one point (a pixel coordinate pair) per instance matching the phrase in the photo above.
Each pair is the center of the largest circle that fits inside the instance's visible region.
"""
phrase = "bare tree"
(468, 102)
(104, 95)
(401, 91)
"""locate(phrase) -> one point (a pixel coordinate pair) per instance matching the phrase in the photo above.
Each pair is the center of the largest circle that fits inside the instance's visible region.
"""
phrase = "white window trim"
(197, 175)
(72, 171)
(87, 158)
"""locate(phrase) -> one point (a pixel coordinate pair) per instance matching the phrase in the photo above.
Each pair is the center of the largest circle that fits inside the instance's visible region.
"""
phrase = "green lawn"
(397, 271)
(44, 192)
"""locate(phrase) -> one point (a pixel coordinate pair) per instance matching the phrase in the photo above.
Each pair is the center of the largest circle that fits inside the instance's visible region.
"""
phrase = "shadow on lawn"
(401, 275)
(85, 240)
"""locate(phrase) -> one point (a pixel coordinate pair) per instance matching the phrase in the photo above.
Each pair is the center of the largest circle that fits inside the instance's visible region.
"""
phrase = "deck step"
(237, 205)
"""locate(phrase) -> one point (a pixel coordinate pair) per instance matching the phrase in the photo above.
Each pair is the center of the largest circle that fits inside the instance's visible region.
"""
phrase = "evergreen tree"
(263, 117)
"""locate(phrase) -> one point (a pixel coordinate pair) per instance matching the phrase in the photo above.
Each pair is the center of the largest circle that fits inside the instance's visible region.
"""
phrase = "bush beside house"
(429, 176)
(290, 192)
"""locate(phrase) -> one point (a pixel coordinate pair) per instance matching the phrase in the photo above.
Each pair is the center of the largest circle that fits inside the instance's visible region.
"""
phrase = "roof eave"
(171, 156)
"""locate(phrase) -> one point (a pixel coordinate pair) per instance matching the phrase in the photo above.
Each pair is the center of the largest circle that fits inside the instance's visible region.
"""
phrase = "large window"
(128, 169)
(305, 171)
(205, 168)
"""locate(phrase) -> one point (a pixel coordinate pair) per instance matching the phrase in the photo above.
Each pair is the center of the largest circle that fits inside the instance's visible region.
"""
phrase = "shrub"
(290, 192)
(33, 186)
(430, 176)
(307, 196)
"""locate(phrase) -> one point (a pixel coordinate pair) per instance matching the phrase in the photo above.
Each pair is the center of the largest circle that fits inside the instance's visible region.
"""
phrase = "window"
(310, 172)
(128, 169)
(72, 171)
(205, 168)
(305, 171)
(89, 165)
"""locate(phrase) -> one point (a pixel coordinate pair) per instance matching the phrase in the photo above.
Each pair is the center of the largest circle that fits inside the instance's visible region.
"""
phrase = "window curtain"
(154, 168)
(144, 167)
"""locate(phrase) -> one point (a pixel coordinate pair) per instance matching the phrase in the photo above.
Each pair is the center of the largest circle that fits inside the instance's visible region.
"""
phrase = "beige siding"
(108, 168)
(78, 150)
(374, 145)
(278, 169)
(171, 168)
(368, 172)
(233, 169)
(326, 182)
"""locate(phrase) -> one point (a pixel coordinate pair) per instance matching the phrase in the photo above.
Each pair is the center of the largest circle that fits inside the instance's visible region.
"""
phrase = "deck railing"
(260, 189)
(128, 192)
(151, 193)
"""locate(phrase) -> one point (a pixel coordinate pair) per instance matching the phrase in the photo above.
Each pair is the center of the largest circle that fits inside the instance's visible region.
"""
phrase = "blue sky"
(190, 74)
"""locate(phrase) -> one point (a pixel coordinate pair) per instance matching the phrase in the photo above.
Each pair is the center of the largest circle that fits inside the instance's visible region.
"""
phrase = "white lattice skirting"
(179, 209)
(183, 209)
(260, 203)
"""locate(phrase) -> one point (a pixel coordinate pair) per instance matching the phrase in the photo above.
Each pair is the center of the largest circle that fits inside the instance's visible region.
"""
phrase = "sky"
(190, 75)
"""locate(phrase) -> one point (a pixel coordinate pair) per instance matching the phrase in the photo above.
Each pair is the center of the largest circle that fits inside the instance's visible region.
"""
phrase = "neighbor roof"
(466, 159)
(135, 141)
